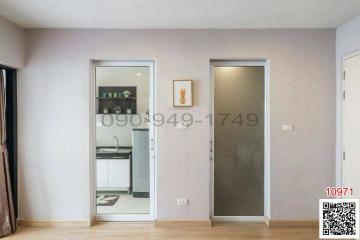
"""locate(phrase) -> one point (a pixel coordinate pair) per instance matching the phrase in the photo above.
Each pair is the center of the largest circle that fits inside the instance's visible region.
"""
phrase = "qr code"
(339, 218)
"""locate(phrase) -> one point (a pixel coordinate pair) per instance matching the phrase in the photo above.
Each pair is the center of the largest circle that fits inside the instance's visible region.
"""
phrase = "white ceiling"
(179, 13)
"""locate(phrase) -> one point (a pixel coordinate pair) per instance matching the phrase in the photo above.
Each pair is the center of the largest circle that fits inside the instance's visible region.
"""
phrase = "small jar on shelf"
(126, 93)
(117, 110)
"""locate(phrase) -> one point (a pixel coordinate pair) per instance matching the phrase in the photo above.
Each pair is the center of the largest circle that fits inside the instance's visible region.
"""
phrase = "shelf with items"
(116, 114)
(116, 100)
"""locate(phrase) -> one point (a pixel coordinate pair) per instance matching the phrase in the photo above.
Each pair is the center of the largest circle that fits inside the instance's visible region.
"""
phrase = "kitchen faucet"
(116, 142)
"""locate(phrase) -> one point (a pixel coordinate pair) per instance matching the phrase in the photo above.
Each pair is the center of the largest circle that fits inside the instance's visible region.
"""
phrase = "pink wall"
(54, 116)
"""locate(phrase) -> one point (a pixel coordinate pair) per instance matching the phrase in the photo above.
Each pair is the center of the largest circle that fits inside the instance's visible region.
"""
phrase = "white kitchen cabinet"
(119, 173)
(113, 174)
(102, 172)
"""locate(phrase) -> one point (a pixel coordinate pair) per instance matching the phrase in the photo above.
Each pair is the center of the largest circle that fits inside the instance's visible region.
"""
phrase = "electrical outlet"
(182, 202)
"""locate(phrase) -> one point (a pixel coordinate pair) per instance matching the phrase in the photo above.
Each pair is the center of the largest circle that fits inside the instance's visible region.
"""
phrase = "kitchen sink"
(109, 150)
(113, 150)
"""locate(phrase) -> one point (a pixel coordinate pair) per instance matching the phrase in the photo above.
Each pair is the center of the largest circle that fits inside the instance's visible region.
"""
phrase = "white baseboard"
(253, 219)
(176, 223)
(51, 223)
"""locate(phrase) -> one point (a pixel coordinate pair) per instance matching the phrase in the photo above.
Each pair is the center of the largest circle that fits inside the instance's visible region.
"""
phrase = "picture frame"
(182, 93)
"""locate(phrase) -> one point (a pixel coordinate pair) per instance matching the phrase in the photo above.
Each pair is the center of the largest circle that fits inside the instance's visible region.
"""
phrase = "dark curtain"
(7, 215)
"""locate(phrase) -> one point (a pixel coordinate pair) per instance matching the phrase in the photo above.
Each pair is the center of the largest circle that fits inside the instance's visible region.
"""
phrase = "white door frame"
(240, 63)
(340, 121)
(152, 137)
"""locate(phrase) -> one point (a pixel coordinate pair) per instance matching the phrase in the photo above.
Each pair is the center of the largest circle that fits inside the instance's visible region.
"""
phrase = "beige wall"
(54, 116)
(12, 44)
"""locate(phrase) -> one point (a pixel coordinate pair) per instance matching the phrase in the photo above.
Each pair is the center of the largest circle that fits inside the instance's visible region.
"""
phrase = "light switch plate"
(287, 127)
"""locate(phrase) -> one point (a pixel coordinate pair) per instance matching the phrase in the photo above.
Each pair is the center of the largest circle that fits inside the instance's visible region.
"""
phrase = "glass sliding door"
(238, 140)
(124, 158)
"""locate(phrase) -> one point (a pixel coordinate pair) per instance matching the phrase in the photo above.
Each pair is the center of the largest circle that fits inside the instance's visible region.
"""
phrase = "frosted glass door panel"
(239, 141)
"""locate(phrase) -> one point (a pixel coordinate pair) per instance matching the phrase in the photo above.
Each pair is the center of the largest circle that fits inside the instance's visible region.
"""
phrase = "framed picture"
(182, 93)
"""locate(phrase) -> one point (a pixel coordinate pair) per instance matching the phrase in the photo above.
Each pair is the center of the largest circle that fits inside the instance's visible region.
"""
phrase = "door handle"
(152, 144)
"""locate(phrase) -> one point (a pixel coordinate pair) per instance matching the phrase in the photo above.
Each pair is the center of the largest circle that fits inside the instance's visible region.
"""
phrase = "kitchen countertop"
(112, 153)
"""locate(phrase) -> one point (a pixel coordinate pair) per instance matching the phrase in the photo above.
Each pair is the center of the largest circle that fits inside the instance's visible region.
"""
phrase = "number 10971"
(339, 191)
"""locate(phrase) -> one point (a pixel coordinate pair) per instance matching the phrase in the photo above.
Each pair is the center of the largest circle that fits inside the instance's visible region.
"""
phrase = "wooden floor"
(142, 231)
